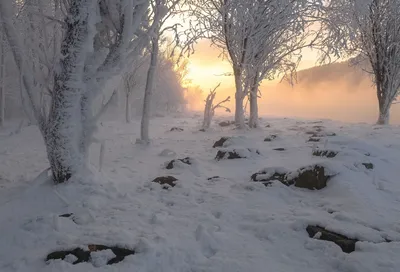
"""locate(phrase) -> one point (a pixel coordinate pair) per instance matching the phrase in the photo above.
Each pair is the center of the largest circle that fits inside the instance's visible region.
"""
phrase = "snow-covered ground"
(223, 224)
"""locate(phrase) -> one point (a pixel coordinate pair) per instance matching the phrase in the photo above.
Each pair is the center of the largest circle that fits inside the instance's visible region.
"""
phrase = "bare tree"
(259, 38)
(131, 80)
(368, 29)
(163, 10)
(95, 40)
(209, 108)
(276, 32)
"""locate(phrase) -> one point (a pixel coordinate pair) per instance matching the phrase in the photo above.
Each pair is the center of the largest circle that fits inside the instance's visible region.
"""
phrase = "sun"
(208, 76)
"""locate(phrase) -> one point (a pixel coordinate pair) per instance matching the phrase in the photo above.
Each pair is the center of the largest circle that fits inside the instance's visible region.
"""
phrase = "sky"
(207, 65)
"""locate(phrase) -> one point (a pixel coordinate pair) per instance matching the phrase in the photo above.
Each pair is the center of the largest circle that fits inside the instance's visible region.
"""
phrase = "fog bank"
(337, 91)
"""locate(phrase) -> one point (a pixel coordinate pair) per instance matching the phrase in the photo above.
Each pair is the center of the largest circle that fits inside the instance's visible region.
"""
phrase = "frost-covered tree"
(275, 32)
(92, 41)
(168, 90)
(368, 29)
(210, 107)
(168, 94)
(131, 80)
(259, 38)
(162, 11)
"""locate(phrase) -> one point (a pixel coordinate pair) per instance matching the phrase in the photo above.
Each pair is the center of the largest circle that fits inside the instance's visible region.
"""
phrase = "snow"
(100, 258)
(222, 224)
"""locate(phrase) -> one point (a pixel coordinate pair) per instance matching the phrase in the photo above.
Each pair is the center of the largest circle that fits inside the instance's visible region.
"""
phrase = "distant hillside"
(343, 74)
(336, 91)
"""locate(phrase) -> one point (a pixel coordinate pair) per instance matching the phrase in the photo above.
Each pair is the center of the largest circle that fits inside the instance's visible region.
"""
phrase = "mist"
(337, 91)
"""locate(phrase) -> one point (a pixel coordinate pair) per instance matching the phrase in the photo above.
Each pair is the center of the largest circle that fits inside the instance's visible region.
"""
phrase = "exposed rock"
(325, 153)
(268, 175)
(235, 154)
(166, 181)
(230, 155)
(202, 130)
(83, 255)
(220, 142)
(318, 132)
(214, 178)
(226, 123)
(368, 165)
(347, 245)
(66, 215)
(172, 163)
(312, 178)
(314, 139)
(177, 129)
(279, 149)
(270, 138)
(267, 125)
(311, 132)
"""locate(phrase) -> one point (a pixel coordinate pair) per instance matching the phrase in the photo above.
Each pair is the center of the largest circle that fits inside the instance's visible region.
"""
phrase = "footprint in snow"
(207, 242)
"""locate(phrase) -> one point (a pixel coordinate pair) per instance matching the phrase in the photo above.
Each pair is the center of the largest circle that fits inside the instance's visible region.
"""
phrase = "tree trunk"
(2, 78)
(253, 119)
(384, 114)
(207, 114)
(127, 108)
(144, 128)
(87, 125)
(239, 112)
(63, 137)
(384, 102)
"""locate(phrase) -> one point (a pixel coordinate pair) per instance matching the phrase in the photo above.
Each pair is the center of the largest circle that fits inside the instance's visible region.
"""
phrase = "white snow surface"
(223, 224)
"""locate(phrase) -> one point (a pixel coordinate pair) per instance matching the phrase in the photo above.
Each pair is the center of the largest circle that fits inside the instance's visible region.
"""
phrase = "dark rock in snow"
(310, 132)
(318, 132)
(84, 255)
(368, 165)
(347, 245)
(172, 163)
(226, 123)
(279, 149)
(177, 129)
(66, 215)
(325, 153)
(214, 177)
(166, 181)
(235, 154)
(80, 254)
(270, 138)
(312, 178)
(313, 139)
(268, 175)
(220, 142)
(230, 155)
